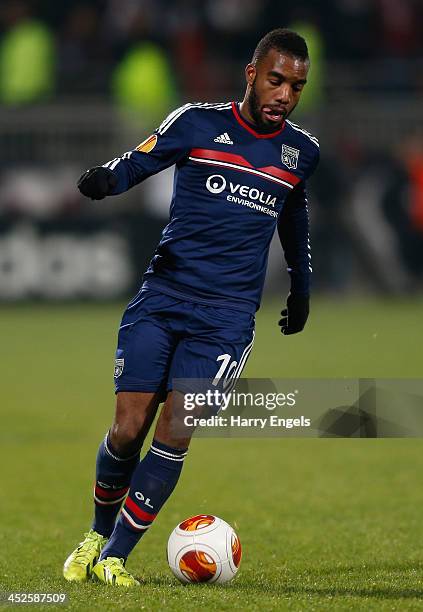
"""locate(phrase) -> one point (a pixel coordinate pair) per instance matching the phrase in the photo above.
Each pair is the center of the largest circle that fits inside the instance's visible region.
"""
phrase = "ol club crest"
(289, 157)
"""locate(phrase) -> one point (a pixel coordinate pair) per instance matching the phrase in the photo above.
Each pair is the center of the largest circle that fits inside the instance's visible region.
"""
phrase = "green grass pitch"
(324, 524)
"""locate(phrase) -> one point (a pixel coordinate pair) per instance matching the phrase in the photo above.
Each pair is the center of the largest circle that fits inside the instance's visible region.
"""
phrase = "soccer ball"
(204, 548)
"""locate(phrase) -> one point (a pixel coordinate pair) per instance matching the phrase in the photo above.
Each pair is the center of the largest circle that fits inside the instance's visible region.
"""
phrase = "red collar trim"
(250, 129)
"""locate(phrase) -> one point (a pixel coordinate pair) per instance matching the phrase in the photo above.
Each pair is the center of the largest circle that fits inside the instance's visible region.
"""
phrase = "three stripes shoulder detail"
(297, 128)
(170, 119)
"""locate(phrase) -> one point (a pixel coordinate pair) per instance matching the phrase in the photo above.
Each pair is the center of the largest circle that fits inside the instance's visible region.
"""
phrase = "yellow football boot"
(79, 565)
(112, 571)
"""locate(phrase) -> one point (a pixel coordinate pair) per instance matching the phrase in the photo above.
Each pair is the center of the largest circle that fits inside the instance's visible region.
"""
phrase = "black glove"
(97, 182)
(295, 315)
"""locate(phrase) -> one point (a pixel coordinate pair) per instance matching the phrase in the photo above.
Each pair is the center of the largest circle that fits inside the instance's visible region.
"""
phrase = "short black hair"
(283, 40)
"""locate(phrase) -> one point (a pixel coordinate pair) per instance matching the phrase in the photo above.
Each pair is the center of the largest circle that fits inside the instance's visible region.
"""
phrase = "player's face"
(276, 83)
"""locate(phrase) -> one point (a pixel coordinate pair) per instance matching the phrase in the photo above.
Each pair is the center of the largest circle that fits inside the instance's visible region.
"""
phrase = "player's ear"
(250, 73)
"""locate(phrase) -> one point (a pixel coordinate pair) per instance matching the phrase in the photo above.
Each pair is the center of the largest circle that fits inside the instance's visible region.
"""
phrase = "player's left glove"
(295, 315)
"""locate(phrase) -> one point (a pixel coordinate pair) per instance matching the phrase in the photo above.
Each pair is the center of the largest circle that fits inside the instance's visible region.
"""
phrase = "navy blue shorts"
(162, 337)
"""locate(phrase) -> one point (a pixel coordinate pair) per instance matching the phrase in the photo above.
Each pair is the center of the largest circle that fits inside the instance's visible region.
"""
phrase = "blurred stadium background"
(82, 81)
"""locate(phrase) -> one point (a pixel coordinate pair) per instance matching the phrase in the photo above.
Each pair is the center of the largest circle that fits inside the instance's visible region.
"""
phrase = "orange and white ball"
(204, 548)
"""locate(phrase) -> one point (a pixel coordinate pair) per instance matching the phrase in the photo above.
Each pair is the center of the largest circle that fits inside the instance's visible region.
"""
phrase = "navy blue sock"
(152, 483)
(113, 475)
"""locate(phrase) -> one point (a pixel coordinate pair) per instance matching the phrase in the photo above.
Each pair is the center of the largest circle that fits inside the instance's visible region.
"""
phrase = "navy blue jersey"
(232, 187)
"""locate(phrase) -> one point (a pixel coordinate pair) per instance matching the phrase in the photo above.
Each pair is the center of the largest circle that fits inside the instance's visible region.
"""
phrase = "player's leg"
(144, 351)
(152, 483)
(118, 455)
(157, 474)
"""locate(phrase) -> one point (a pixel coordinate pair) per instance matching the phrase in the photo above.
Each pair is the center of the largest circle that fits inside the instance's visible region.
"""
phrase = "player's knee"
(171, 430)
(134, 415)
(126, 436)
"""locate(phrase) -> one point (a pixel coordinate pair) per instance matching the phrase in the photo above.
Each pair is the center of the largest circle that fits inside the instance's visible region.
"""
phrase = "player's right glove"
(96, 183)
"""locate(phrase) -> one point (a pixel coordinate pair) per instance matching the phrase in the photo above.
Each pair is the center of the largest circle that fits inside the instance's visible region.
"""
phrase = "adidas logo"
(224, 139)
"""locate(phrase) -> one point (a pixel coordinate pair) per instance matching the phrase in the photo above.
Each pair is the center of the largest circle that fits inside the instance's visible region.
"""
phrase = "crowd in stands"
(181, 47)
